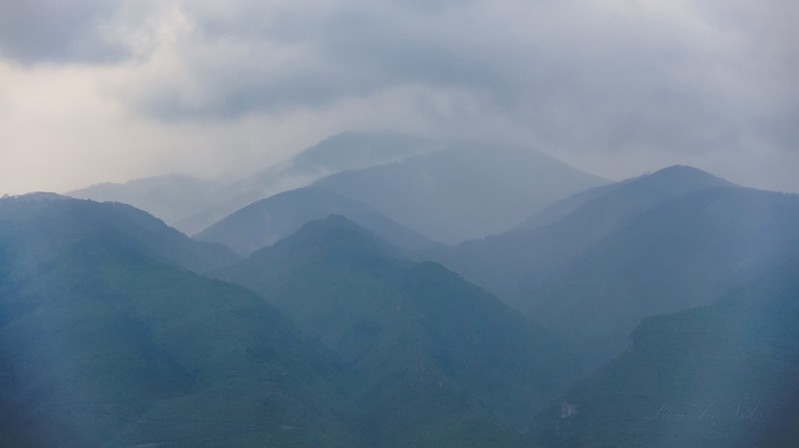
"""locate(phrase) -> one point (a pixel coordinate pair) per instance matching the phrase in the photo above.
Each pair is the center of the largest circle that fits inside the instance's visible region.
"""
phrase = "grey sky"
(94, 90)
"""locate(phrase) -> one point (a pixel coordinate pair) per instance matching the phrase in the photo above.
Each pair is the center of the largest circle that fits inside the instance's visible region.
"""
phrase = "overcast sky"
(96, 90)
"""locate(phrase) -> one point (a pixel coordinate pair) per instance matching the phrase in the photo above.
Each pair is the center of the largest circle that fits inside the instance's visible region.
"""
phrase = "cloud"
(617, 86)
(58, 31)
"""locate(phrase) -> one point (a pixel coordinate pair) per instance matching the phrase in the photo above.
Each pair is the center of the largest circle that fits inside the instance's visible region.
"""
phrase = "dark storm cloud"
(676, 80)
(58, 31)
(580, 74)
(346, 52)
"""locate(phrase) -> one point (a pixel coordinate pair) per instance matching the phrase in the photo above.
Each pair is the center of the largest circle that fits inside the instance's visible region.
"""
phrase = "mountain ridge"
(564, 231)
(266, 221)
(417, 323)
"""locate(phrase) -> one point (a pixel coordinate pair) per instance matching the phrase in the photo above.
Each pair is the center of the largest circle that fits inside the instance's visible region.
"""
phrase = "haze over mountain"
(680, 254)
(53, 221)
(334, 339)
(427, 343)
(558, 234)
(466, 191)
(191, 204)
(169, 197)
(266, 221)
(341, 152)
(722, 375)
(491, 284)
(103, 344)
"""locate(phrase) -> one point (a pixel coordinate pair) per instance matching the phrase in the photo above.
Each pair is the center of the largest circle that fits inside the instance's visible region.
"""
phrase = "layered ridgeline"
(341, 152)
(724, 375)
(444, 191)
(440, 361)
(510, 263)
(192, 204)
(613, 255)
(103, 343)
(463, 192)
(264, 222)
(681, 254)
(47, 222)
(170, 197)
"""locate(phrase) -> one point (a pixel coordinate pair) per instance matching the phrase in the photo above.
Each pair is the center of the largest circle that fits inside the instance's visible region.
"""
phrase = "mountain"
(104, 344)
(718, 375)
(630, 196)
(169, 197)
(441, 362)
(341, 152)
(56, 221)
(680, 254)
(510, 263)
(264, 222)
(105, 341)
(359, 150)
(191, 204)
(465, 191)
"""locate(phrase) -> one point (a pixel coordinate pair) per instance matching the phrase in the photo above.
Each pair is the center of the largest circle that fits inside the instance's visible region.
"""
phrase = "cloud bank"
(94, 90)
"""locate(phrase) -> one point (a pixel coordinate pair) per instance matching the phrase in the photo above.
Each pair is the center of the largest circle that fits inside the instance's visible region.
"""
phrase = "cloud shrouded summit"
(108, 90)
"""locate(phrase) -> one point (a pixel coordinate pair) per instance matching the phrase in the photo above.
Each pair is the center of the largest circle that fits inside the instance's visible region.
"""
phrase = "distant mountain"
(341, 152)
(192, 205)
(442, 362)
(510, 263)
(57, 221)
(466, 191)
(723, 375)
(264, 222)
(680, 254)
(103, 344)
(170, 197)
(359, 150)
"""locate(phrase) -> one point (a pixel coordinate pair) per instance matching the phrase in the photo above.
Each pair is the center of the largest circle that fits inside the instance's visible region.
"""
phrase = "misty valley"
(387, 290)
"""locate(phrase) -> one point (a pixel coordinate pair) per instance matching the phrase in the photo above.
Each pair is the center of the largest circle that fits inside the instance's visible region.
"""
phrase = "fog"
(105, 90)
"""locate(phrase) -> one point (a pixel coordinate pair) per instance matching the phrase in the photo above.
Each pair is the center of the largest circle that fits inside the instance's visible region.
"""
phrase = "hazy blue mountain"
(466, 191)
(683, 253)
(562, 208)
(191, 204)
(723, 375)
(266, 221)
(102, 344)
(170, 197)
(442, 362)
(509, 263)
(58, 220)
(341, 152)
(358, 150)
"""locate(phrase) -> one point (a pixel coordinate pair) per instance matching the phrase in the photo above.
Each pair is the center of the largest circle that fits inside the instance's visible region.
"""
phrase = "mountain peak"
(335, 238)
(55, 220)
(357, 150)
(39, 196)
(690, 177)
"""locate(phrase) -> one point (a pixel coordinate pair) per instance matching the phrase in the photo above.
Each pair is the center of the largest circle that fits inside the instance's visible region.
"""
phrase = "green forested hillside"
(725, 375)
(442, 362)
(103, 345)
(45, 223)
